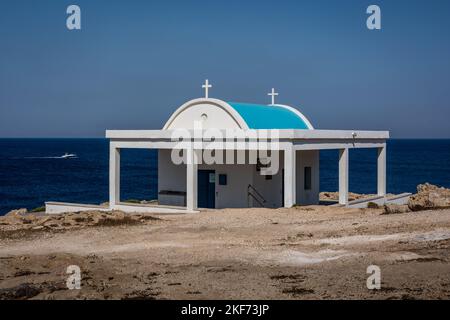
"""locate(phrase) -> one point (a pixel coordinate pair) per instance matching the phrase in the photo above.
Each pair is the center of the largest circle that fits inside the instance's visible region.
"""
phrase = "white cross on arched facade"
(206, 86)
(273, 94)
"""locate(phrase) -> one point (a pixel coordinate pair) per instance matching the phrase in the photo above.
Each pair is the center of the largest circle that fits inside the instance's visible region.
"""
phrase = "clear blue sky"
(134, 62)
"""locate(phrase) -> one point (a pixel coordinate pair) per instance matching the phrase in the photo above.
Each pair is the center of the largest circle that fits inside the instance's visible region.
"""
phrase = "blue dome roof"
(259, 116)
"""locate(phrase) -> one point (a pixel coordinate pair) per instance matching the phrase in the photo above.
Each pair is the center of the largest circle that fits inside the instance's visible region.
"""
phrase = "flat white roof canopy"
(289, 134)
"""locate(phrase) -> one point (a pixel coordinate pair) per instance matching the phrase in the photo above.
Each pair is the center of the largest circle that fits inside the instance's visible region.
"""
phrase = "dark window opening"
(222, 179)
(308, 182)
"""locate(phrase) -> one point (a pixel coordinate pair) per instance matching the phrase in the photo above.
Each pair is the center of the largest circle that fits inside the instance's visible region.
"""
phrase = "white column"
(381, 171)
(343, 176)
(114, 176)
(191, 179)
(289, 177)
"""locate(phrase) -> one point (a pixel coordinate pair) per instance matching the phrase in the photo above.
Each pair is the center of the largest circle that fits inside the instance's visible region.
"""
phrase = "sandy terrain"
(299, 253)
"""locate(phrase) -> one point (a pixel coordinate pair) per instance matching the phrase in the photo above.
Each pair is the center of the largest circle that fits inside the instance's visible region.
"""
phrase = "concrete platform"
(379, 200)
(64, 207)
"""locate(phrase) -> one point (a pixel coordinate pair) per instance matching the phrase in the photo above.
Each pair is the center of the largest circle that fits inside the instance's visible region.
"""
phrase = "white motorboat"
(68, 155)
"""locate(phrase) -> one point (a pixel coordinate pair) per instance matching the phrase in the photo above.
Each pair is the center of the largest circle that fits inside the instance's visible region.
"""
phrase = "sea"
(33, 171)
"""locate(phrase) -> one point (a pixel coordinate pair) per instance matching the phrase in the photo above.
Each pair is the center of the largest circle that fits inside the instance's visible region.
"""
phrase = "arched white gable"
(212, 113)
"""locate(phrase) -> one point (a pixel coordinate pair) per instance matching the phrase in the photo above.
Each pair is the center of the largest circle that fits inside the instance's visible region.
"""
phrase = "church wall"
(304, 159)
(234, 193)
(170, 177)
(270, 189)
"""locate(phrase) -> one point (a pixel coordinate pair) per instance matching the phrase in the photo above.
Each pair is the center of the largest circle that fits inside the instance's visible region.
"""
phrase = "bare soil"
(311, 252)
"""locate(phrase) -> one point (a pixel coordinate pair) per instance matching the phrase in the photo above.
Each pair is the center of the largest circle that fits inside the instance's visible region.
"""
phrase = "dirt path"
(299, 253)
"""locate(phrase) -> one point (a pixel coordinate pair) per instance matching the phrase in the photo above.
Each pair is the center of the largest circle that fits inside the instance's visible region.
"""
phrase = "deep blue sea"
(32, 172)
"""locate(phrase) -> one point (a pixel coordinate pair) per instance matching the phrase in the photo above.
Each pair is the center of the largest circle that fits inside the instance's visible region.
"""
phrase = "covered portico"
(246, 131)
(290, 144)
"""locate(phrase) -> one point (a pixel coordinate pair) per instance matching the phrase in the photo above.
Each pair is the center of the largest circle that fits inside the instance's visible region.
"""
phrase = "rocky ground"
(313, 252)
(334, 196)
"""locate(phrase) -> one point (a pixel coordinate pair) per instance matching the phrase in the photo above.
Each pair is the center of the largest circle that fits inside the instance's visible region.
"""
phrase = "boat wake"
(64, 156)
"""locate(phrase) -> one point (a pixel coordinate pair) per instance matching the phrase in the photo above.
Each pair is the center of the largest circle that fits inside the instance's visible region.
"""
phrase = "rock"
(22, 273)
(395, 208)
(17, 213)
(82, 218)
(28, 219)
(429, 197)
(49, 296)
(44, 220)
(118, 215)
(146, 217)
(334, 196)
(21, 220)
(51, 224)
(22, 291)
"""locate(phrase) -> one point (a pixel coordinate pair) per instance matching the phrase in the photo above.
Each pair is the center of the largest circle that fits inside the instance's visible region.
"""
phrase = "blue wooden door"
(206, 189)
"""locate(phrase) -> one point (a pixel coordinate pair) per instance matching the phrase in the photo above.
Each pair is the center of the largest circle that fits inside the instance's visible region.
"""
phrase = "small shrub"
(372, 205)
(132, 201)
(38, 209)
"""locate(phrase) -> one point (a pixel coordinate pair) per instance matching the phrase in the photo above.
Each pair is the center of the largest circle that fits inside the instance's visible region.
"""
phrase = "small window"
(222, 179)
(307, 185)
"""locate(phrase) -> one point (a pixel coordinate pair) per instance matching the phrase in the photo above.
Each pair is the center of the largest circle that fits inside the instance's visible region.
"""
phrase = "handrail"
(259, 194)
(261, 201)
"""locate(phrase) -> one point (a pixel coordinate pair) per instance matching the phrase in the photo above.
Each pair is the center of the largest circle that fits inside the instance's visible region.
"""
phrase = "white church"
(275, 131)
